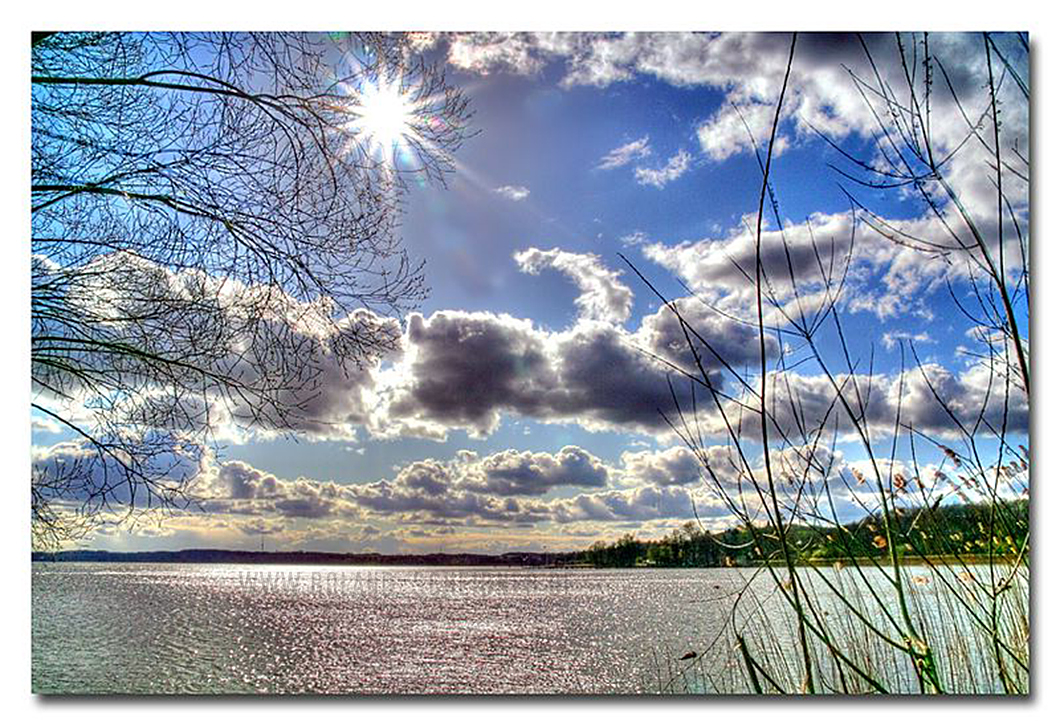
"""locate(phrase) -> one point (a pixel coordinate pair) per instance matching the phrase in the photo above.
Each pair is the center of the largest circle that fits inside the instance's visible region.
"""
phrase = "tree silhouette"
(213, 228)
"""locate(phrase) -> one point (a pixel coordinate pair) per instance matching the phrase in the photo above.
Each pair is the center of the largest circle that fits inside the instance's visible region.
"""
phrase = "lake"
(176, 628)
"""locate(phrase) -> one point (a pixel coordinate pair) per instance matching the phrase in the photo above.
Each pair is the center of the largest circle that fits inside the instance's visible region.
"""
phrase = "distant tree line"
(313, 558)
(688, 545)
(958, 532)
(954, 532)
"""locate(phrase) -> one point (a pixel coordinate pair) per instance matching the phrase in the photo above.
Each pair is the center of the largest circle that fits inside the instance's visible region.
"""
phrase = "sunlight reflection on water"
(148, 628)
(172, 628)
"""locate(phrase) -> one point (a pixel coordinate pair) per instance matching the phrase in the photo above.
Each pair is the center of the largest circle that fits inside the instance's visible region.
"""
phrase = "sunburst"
(385, 115)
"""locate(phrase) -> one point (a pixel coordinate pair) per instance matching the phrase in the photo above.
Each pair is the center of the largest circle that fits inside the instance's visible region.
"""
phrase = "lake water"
(170, 628)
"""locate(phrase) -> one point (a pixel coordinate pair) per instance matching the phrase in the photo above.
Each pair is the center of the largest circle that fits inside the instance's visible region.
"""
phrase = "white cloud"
(487, 52)
(930, 399)
(822, 94)
(603, 296)
(623, 155)
(236, 487)
(508, 488)
(884, 278)
(216, 330)
(45, 425)
(514, 193)
(674, 169)
(635, 238)
(891, 338)
(732, 128)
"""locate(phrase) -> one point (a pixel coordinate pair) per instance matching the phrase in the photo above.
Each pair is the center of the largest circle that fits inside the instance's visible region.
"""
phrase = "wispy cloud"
(674, 169)
(45, 425)
(622, 155)
(635, 238)
(514, 193)
(892, 279)
(892, 337)
(748, 68)
(603, 296)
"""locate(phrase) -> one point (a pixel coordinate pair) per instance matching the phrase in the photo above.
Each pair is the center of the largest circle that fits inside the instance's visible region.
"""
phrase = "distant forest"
(958, 532)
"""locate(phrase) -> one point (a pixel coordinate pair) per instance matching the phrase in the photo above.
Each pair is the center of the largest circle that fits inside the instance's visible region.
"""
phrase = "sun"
(385, 116)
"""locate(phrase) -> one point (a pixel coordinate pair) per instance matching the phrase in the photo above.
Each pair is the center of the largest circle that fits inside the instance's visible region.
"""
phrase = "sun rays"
(385, 117)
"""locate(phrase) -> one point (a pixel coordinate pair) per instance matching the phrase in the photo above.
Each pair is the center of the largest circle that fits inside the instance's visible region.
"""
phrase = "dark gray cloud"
(428, 477)
(496, 488)
(299, 370)
(118, 472)
(643, 503)
(470, 507)
(929, 400)
(675, 466)
(237, 487)
(333, 399)
(466, 368)
(605, 381)
(718, 340)
(530, 474)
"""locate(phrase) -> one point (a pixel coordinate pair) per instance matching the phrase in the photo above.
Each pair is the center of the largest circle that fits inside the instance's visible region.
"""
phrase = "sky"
(525, 407)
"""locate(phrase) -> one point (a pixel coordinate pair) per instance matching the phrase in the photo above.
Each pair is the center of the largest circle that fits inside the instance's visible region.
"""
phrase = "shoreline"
(525, 560)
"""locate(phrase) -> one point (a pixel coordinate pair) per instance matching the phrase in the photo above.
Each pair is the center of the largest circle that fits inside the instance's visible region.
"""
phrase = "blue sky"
(522, 410)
